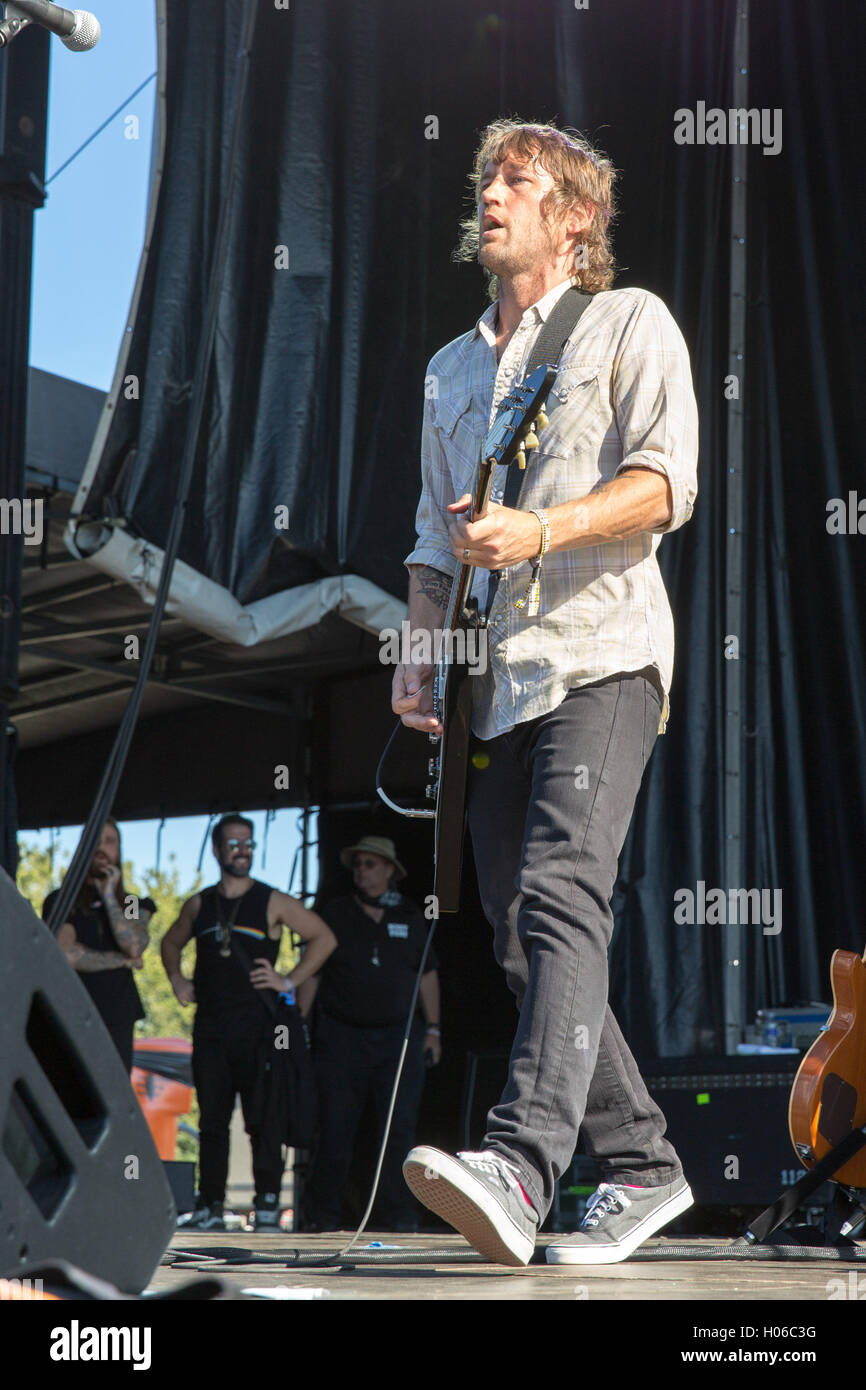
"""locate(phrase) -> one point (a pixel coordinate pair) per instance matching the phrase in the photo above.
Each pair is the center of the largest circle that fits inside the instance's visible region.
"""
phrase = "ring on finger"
(466, 553)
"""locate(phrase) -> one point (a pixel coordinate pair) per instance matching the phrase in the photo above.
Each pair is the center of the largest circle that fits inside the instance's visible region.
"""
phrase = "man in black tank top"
(237, 926)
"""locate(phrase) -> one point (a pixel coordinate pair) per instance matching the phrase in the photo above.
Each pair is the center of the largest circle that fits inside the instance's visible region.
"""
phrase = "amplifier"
(727, 1117)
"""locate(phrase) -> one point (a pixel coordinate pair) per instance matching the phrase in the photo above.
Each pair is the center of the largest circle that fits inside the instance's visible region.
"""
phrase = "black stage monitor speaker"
(80, 1178)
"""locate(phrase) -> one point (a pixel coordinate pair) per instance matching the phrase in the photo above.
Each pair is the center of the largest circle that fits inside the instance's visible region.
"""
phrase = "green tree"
(39, 873)
(166, 1018)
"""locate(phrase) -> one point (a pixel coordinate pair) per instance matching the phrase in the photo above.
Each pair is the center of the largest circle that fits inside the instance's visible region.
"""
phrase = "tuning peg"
(531, 440)
(541, 420)
(521, 459)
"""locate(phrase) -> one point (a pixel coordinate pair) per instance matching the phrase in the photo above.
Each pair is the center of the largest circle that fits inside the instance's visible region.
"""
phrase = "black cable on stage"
(738, 1250)
(311, 1259)
(746, 1250)
(107, 790)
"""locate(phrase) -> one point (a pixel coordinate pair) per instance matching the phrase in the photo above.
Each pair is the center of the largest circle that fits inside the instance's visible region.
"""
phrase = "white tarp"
(210, 608)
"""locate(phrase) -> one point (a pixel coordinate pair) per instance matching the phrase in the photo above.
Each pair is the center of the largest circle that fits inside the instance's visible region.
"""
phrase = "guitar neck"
(462, 583)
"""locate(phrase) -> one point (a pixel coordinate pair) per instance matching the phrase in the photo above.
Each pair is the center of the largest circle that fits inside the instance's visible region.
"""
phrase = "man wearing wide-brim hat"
(381, 847)
(363, 996)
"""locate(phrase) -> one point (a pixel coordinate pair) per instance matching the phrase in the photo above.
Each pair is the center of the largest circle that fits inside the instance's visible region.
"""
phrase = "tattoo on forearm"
(82, 958)
(131, 936)
(435, 585)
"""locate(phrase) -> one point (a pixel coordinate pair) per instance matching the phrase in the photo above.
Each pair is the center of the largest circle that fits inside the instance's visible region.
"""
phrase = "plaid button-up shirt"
(622, 398)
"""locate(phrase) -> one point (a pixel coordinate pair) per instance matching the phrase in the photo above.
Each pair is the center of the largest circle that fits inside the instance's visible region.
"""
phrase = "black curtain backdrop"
(805, 659)
(317, 379)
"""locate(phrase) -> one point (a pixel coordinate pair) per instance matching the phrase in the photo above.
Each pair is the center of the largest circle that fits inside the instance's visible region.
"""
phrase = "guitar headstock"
(513, 433)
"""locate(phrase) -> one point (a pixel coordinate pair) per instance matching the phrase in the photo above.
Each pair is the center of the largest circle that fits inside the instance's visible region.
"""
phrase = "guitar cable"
(413, 1004)
(312, 1259)
(390, 1115)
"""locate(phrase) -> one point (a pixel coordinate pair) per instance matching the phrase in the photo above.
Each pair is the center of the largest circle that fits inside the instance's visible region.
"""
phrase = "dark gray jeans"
(548, 818)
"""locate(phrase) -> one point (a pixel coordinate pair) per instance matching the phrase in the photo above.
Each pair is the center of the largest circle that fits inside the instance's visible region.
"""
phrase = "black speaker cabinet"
(80, 1178)
(728, 1121)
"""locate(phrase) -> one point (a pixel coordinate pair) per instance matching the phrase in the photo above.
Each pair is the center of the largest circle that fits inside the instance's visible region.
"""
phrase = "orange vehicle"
(162, 1079)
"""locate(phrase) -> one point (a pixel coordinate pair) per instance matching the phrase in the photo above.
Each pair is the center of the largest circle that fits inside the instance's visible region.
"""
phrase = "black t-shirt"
(113, 992)
(368, 980)
(225, 998)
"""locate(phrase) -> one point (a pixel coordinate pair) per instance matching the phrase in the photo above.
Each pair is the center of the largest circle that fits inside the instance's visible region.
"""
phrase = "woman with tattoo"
(104, 939)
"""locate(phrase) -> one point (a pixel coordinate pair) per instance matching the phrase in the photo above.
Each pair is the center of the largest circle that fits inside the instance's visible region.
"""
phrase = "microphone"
(78, 29)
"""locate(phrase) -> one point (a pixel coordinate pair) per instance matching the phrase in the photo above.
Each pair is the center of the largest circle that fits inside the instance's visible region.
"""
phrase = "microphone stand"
(12, 26)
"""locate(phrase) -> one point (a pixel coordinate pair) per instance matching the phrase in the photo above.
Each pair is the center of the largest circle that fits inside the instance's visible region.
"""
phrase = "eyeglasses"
(240, 844)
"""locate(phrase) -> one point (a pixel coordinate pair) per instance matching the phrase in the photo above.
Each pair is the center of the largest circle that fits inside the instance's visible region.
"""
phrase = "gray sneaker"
(479, 1195)
(618, 1219)
(267, 1212)
(204, 1218)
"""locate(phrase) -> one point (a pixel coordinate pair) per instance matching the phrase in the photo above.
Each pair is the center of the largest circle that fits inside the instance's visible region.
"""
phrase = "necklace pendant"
(374, 959)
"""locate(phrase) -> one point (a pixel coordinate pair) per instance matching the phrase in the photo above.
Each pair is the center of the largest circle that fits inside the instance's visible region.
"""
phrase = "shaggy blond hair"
(582, 177)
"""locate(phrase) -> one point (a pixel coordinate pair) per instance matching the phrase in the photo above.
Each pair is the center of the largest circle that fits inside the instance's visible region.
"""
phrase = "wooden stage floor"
(639, 1278)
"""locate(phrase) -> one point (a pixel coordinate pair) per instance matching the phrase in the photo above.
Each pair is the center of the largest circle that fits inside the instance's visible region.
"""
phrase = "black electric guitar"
(511, 436)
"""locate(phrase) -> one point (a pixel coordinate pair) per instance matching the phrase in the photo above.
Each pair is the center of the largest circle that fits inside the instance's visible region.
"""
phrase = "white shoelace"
(492, 1163)
(605, 1200)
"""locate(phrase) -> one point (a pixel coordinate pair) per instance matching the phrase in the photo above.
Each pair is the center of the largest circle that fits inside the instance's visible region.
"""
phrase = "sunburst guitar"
(828, 1098)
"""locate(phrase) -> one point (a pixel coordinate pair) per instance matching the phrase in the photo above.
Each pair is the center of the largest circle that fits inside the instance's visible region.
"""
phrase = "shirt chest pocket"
(460, 438)
(575, 410)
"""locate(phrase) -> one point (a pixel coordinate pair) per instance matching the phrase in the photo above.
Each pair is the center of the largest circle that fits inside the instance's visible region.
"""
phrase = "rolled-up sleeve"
(654, 403)
(437, 491)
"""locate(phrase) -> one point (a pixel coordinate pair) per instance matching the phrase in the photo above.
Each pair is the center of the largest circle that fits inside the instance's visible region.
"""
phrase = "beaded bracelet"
(531, 598)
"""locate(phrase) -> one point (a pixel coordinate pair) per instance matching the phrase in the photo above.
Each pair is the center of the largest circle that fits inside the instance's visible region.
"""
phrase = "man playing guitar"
(574, 693)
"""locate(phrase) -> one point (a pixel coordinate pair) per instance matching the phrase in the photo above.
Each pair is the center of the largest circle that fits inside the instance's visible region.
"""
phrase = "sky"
(90, 232)
(88, 244)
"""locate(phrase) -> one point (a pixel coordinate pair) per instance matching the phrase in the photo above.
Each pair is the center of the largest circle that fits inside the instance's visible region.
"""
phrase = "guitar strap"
(552, 338)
